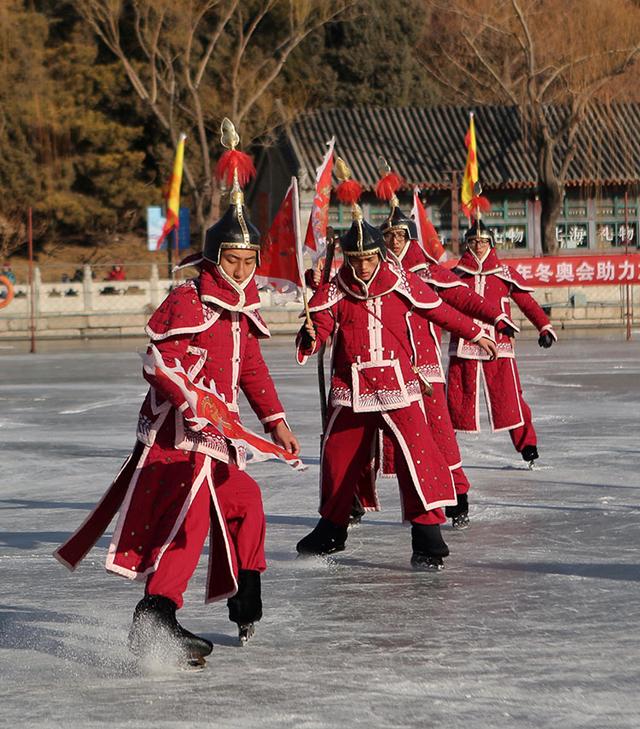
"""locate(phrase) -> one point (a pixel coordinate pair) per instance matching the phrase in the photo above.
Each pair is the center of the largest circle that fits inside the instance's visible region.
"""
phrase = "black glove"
(507, 330)
(545, 340)
(306, 341)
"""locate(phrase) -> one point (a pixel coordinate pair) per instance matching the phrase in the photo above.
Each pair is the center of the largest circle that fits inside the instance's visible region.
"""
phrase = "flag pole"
(297, 231)
(322, 389)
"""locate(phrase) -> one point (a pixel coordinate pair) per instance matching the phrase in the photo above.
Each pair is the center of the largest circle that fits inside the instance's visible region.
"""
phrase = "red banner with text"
(597, 270)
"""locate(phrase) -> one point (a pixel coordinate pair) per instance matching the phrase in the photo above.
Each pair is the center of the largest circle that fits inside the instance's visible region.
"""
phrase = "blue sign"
(155, 223)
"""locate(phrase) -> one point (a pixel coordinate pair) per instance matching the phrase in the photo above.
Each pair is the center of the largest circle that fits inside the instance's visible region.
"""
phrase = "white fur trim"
(221, 524)
(271, 418)
(414, 476)
(111, 554)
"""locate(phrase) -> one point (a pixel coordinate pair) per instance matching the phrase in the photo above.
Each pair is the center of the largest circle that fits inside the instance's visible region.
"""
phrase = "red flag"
(279, 263)
(209, 409)
(427, 234)
(316, 237)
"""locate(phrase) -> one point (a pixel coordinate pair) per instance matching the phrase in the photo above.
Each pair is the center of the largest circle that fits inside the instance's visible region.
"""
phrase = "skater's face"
(395, 240)
(479, 246)
(364, 266)
(238, 263)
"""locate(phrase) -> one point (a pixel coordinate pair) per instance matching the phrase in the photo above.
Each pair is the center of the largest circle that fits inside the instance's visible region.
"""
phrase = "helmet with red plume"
(386, 188)
(362, 238)
(234, 229)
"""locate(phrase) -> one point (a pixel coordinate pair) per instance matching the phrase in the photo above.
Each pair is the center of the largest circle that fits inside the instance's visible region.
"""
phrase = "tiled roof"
(424, 144)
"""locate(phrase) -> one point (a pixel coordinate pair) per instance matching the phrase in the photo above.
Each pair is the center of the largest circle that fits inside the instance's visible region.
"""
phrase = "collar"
(216, 287)
(382, 282)
(413, 257)
(489, 263)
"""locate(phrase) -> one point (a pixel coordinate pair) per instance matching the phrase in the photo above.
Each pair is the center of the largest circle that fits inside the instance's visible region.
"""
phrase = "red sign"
(598, 270)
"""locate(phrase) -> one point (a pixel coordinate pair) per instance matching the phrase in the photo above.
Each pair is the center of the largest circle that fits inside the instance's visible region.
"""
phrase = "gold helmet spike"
(342, 170)
(383, 166)
(229, 137)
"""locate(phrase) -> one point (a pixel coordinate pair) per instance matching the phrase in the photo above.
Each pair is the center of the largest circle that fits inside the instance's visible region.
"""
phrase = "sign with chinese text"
(598, 270)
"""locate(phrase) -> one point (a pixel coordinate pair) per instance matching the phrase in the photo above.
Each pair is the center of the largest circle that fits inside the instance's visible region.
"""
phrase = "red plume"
(232, 160)
(478, 202)
(348, 192)
(387, 186)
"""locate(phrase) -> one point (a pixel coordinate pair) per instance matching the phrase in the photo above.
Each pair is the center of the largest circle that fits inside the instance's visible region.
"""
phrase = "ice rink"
(533, 623)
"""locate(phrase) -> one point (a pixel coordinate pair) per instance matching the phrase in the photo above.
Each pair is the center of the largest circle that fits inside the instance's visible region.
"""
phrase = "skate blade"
(246, 633)
(532, 466)
(460, 527)
(193, 663)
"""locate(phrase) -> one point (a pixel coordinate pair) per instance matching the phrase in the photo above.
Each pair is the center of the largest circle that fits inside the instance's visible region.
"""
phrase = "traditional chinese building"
(601, 210)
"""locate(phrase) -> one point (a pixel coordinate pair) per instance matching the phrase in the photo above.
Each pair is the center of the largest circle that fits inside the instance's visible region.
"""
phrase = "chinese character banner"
(599, 270)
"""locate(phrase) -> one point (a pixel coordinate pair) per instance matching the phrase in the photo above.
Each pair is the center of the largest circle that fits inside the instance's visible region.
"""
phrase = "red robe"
(468, 364)
(373, 371)
(455, 292)
(208, 327)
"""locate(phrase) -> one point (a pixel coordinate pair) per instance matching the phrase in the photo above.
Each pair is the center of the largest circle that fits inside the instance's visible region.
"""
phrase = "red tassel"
(478, 202)
(387, 186)
(232, 160)
(348, 192)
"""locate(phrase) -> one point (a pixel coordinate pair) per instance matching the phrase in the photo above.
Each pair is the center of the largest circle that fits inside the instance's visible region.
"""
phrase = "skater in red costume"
(185, 479)
(469, 368)
(400, 237)
(370, 309)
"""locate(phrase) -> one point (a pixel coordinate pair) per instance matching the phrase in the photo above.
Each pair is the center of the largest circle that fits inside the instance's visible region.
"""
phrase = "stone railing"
(90, 308)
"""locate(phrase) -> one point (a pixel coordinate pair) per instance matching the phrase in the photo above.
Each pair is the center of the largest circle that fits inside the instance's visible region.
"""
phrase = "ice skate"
(357, 512)
(459, 514)
(326, 538)
(529, 455)
(156, 631)
(429, 548)
(426, 563)
(245, 607)
(245, 633)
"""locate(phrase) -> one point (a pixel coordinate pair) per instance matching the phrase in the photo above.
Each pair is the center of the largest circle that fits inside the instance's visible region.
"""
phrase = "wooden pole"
(455, 228)
(326, 275)
(626, 252)
(32, 293)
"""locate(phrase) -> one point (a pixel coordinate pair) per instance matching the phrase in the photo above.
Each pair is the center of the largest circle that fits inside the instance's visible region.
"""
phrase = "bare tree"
(192, 62)
(551, 59)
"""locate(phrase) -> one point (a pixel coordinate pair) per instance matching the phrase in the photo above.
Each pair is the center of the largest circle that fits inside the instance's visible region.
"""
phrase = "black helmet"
(233, 230)
(362, 238)
(397, 220)
(479, 230)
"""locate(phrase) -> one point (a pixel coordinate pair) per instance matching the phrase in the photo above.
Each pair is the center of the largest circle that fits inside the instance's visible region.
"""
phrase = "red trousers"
(349, 448)
(240, 502)
(503, 393)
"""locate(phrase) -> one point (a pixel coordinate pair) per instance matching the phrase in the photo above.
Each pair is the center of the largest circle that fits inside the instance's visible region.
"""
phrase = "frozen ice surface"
(533, 623)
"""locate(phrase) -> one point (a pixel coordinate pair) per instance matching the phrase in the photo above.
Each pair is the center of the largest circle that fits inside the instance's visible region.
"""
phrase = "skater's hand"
(285, 438)
(307, 335)
(317, 273)
(506, 329)
(489, 347)
(546, 340)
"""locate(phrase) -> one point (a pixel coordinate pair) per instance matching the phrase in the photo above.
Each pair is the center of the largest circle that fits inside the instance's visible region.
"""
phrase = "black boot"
(459, 514)
(428, 546)
(245, 607)
(155, 625)
(357, 512)
(530, 454)
(326, 538)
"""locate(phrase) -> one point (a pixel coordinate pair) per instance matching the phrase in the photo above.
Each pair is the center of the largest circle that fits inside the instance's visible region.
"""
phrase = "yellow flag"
(173, 198)
(471, 169)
